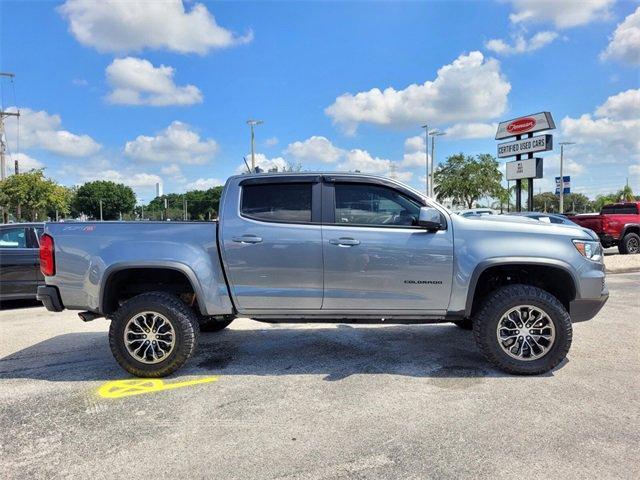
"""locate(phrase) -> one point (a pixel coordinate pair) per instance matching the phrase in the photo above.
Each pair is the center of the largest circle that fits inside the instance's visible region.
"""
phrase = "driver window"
(362, 204)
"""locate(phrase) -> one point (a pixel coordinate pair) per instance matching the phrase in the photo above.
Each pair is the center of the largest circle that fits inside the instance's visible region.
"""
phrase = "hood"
(522, 225)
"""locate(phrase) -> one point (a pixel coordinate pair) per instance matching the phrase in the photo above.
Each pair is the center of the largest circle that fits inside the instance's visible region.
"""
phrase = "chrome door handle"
(247, 239)
(344, 242)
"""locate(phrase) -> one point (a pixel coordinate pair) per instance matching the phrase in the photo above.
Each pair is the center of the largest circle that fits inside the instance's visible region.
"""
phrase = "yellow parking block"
(139, 386)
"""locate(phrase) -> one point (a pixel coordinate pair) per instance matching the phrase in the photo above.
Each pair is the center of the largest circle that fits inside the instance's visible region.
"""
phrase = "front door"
(272, 247)
(377, 258)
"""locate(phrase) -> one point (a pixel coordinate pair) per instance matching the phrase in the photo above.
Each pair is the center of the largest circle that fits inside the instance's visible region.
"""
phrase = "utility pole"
(101, 210)
(434, 134)
(184, 209)
(4, 215)
(426, 158)
(561, 203)
(252, 124)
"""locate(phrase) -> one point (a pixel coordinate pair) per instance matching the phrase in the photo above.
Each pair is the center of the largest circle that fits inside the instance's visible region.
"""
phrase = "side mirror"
(430, 218)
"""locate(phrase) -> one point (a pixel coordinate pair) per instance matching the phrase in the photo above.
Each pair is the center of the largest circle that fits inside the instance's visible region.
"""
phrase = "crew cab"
(326, 248)
(617, 224)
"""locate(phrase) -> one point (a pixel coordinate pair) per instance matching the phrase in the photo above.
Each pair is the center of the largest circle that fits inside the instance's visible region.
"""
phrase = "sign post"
(528, 167)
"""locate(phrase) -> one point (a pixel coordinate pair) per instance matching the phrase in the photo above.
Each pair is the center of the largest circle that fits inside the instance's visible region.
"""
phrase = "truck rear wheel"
(523, 330)
(214, 324)
(630, 243)
(153, 334)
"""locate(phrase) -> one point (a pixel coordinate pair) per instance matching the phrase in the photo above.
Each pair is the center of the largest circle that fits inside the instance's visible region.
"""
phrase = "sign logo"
(521, 125)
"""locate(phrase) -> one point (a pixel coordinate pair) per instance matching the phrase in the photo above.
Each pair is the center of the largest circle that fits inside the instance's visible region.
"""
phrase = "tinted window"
(288, 202)
(620, 209)
(556, 220)
(374, 205)
(13, 238)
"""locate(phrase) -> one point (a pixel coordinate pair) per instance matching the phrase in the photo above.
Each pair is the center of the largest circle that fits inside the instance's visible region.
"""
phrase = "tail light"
(47, 256)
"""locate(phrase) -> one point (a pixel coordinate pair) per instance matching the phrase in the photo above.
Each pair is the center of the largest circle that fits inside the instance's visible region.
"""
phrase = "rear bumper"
(587, 308)
(50, 297)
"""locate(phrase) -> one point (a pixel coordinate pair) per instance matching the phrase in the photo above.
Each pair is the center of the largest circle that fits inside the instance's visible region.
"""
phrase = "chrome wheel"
(149, 337)
(633, 245)
(526, 333)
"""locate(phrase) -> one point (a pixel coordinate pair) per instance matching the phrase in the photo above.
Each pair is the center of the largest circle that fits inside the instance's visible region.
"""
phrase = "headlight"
(591, 250)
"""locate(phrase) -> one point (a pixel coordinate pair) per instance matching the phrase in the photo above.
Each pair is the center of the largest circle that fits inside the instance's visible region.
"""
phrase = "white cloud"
(135, 81)
(25, 163)
(99, 170)
(363, 161)
(414, 144)
(39, 129)
(204, 184)
(470, 88)
(174, 172)
(472, 130)
(129, 26)
(177, 143)
(634, 169)
(271, 142)
(314, 148)
(562, 13)
(266, 164)
(625, 105)
(414, 152)
(521, 44)
(611, 135)
(625, 44)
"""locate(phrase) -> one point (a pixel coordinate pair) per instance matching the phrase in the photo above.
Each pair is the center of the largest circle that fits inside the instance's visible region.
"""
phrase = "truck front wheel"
(153, 334)
(523, 330)
(630, 243)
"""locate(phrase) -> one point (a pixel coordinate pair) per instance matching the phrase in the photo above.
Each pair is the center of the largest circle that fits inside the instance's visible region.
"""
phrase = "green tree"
(465, 179)
(577, 203)
(626, 194)
(34, 193)
(602, 200)
(116, 199)
(546, 202)
(201, 205)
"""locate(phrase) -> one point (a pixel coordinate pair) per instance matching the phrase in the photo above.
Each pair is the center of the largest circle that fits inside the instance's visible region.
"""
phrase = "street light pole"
(561, 203)
(434, 134)
(426, 158)
(252, 124)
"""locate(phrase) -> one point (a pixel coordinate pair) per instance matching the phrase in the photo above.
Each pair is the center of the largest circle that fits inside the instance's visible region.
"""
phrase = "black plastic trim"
(585, 309)
(271, 179)
(50, 297)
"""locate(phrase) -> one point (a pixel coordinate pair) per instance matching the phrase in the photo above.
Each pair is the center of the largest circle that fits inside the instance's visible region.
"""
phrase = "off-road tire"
(497, 304)
(214, 324)
(182, 319)
(624, 246)
(465, 324)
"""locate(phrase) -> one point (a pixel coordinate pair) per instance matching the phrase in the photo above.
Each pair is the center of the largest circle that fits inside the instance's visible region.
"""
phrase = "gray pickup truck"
(326, 248)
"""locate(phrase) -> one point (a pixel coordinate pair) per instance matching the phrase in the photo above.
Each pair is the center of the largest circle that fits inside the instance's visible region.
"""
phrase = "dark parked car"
(19, 261)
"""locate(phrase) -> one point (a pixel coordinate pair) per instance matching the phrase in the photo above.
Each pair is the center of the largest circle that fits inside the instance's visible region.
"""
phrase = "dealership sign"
(541, 143)
(527, 168)
(523, 125)
(566, 185)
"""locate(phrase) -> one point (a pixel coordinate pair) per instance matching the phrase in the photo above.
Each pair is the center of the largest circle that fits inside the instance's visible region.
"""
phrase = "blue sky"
(147, 92)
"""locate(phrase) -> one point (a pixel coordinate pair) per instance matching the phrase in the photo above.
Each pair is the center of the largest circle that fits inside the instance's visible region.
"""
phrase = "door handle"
(344, 242)
(247, 239)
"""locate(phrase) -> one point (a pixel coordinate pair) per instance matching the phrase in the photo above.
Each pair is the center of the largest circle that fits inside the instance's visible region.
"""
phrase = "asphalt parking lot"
(315, 402)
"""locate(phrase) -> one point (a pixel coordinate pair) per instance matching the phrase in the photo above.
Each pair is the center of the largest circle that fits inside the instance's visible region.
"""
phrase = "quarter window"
(286, 202)
(362, 204)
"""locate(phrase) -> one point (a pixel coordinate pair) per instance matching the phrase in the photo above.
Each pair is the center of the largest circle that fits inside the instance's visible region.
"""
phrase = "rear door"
(18, 262)
(272, 244)
(376, 257)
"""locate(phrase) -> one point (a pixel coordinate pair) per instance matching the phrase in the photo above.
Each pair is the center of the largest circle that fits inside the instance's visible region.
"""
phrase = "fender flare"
(629, 226)
(168, 265)
(499, 261)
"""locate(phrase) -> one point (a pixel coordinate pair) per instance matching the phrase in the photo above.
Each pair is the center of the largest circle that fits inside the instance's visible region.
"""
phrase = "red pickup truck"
(617, 224)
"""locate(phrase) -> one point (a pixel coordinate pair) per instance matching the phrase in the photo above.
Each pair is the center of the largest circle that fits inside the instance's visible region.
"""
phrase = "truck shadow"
(336, 352)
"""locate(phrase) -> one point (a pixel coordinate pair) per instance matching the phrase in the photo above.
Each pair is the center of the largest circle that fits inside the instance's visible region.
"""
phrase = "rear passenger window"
(13, 238)
(277, 202)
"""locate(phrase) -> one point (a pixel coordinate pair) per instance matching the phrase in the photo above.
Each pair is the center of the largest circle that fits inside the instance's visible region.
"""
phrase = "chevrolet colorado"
(326, 248)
